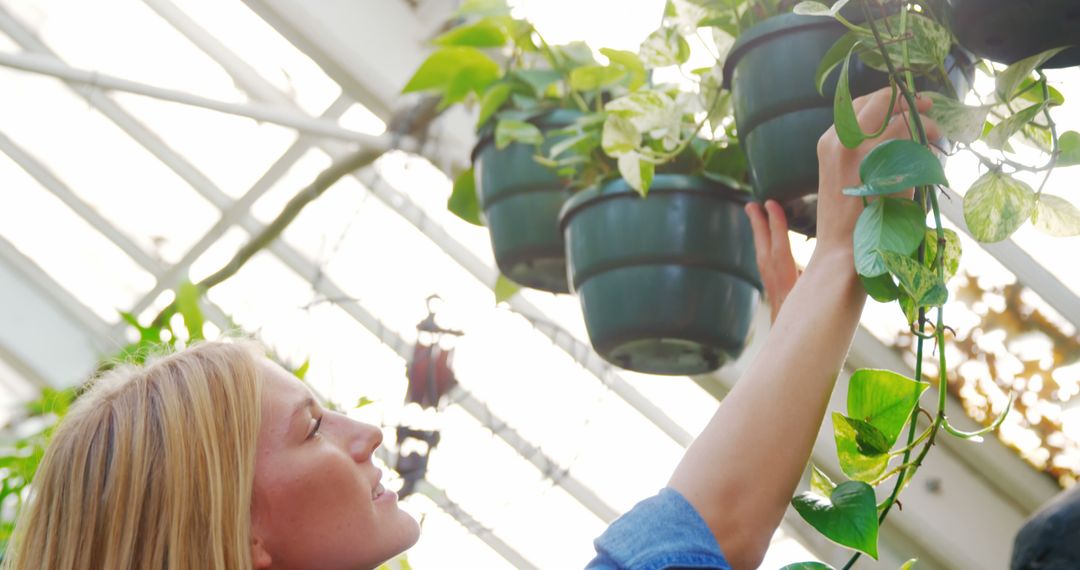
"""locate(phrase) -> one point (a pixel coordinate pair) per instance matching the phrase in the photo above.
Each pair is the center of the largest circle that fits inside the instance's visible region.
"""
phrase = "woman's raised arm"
(742, 470)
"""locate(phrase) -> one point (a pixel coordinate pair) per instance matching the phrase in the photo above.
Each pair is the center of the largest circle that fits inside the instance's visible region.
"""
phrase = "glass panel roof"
(379, 260)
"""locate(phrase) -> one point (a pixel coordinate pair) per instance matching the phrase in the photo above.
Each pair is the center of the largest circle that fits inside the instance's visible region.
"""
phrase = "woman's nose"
(364, 439)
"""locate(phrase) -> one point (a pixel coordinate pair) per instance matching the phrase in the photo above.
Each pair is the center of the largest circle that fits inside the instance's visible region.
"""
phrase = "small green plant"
(505, 67)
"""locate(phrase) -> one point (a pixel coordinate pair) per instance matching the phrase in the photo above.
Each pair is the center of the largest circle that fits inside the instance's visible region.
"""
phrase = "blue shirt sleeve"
(664, 531)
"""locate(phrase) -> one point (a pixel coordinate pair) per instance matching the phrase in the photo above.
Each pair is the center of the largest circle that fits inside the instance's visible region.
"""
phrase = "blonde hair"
(152, 468)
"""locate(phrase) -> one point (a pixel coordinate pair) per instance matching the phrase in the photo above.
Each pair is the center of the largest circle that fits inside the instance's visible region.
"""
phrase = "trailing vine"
(900, 260)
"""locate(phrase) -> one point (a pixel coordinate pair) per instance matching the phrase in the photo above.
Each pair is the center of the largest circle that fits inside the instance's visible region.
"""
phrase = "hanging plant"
(526, 91)
(659, 250)
(901, 260)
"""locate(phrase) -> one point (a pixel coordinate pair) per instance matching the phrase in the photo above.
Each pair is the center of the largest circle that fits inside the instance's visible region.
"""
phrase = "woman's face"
(317, 500)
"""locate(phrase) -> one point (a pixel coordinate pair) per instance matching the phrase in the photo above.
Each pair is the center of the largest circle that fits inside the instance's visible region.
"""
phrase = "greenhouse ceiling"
(133, 165)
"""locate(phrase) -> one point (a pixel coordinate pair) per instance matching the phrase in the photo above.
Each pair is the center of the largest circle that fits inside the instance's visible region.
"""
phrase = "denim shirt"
(664, 531)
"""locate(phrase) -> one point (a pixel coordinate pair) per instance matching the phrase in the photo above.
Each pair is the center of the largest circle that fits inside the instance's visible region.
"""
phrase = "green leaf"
(302, 371)
(664, 47)
(996, 205)
(1035, 135)
(909, 564)
(454, 71)
(952, 252)
(505, 289)
(538, 80)
(858, 460)
(882, 288)
(884, 399)
(620, 136)
(482, 33)
(593, 77)
(1010, 80)
(1069, 146)
(1056, 216)
(511, 130)
(630, 62)
(861, 448)
(1003, 131)
(637, 172)
(463, 201)
(648, 110)
(868, 438)
(958, 122)
(150, 335)
(909, 308)
(808, 566)
(1028, 91)
(896, 165)
(187, 302)
(364, 401)
(492, 100)
(820, 482)
(576, 52)
(924, 286)
(848, 517)
(928, 44)
(832, 58)
(846, 122)
(887, 224)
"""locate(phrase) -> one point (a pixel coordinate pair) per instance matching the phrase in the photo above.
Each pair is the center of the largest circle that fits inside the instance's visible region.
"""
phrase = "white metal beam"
(28, 41)
(46, 65)
(440, 498)
(390, 41)
(175, 273)
(561, 477)
(53, 339)
(243, 74)
(50, 182)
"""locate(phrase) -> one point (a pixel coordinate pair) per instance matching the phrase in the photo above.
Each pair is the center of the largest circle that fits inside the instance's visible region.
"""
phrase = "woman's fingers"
(898, 129)
(760, 227)
(871, 112)
(871, 109)
(778, 230)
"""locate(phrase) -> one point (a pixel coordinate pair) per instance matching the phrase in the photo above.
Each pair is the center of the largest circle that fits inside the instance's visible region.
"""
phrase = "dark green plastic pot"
(521, 199)
(779, 113)
(668, 284)
(1010, 30)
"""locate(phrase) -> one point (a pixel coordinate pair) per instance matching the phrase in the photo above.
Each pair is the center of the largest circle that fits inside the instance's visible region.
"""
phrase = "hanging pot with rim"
(521, 199)
(668, 283)
(779, 113)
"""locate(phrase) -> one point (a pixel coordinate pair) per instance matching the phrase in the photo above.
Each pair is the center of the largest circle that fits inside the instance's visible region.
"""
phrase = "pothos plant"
(901, 259)
(505, 67)
(678, 128)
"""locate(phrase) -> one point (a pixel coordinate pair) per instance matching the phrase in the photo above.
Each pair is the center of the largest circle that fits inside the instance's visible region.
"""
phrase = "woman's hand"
(839, 166)
(773, 250)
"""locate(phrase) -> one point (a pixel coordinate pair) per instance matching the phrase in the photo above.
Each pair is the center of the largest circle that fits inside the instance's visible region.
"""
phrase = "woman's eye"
(315, 429)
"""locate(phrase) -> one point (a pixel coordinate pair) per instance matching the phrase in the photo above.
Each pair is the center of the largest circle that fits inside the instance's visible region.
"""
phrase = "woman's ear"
(260, 558)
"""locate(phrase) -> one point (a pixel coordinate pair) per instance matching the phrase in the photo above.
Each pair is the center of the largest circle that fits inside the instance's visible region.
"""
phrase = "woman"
(217, 458)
